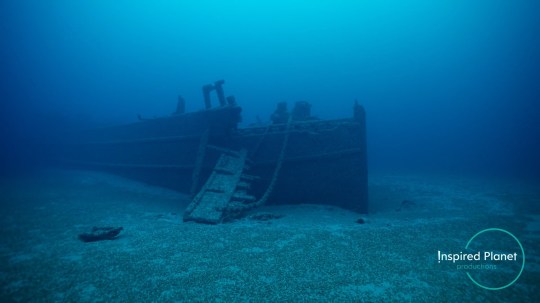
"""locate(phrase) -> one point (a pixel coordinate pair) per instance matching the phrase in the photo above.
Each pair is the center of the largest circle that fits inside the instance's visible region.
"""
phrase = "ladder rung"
(243, 197)
(226, 151)
(215, 190)
(243, 185)
(223, 171)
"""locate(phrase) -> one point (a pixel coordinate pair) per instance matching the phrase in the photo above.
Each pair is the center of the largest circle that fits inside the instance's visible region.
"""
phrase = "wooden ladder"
(224, 195)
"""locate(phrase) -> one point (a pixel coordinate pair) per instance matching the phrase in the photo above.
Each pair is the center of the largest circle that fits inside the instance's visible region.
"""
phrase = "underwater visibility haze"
(451, 96)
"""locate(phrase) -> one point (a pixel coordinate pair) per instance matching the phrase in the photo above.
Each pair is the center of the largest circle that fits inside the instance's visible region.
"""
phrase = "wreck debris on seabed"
(230, 170)
(100, 234)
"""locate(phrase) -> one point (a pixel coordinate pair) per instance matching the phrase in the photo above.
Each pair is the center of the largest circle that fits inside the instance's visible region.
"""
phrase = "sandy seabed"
(314, 253)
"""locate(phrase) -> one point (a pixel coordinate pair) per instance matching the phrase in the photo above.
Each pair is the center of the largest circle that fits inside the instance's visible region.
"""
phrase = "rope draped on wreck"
(277, 170)
(254, 152)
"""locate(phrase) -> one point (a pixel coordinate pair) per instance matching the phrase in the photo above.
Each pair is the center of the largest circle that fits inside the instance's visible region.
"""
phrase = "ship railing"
(312, 125)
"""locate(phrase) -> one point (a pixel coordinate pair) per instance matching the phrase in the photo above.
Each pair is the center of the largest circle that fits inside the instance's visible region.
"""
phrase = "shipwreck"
(230, 170)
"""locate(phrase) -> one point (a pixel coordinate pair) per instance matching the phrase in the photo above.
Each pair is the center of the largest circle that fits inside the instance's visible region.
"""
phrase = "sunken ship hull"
(230, 170)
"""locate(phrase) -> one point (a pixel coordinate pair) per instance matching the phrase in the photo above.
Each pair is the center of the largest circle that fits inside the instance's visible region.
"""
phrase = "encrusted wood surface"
(224, 192)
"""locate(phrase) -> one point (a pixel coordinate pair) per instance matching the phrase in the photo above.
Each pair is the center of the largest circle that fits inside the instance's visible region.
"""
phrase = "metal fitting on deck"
(218, 87)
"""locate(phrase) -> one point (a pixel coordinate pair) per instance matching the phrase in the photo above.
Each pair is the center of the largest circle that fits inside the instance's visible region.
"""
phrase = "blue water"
(447, 85)
(450, 87)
